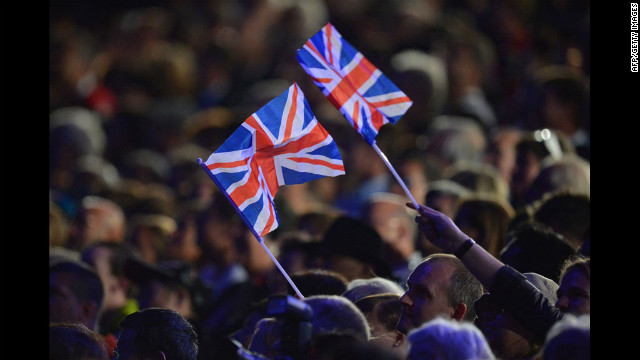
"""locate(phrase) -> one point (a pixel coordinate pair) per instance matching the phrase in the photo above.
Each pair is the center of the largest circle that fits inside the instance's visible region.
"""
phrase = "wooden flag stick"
(253, 230)
(393, 171)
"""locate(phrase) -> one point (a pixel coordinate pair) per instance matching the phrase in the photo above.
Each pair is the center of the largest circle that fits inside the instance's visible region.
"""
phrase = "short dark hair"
(158, 329)
(464, 287)
(70, 340)
(86, 284)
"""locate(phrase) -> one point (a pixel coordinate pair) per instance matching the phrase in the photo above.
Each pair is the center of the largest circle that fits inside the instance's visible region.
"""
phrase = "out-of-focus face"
(574, 293)
(525, 170)
(426, 296)
(63, 304)
(155, 294)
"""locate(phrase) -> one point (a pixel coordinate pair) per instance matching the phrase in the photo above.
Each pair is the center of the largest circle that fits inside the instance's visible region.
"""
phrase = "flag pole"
(393, 171)
(253, 230)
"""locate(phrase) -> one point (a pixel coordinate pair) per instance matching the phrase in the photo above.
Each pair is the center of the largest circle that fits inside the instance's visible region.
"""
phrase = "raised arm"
(443, 232)
(515, 294)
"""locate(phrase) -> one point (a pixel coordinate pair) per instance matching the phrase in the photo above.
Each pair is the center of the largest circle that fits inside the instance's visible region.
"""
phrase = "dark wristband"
(466, 245)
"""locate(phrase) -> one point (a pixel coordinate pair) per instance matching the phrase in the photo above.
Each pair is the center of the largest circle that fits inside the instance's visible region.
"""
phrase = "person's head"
(501, 152)
(76, 293)
(481, 178)
(444, 195)
(485, 219)
(569, 339)
(171, 285)
(574, 293)
(507, 338)
(388, 215)
(354, 249)
(69, 340)
(108, 260)
(331, 315)
(98, 219)
(151, 235)
(382, 312)
(359, 288)
(447, 339)
(440, 286)
(534, 247)
(156, 333)
(568, 173)
(567, 213)
(318, 282)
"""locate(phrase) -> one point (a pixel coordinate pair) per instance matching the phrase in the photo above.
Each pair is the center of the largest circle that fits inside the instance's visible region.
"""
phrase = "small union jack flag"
(362, 93)
(280, 144)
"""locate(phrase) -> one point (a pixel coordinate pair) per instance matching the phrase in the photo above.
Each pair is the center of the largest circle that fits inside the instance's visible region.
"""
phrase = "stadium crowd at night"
(457, 229)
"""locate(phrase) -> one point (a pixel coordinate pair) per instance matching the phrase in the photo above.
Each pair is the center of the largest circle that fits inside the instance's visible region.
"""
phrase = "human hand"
(439, 229)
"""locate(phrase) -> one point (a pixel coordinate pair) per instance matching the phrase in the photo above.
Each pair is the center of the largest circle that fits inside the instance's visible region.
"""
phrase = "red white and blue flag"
(358, 89)
(280, 144)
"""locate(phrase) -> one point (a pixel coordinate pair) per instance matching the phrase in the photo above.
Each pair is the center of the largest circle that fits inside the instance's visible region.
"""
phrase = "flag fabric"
(358, 89)
(280, 144)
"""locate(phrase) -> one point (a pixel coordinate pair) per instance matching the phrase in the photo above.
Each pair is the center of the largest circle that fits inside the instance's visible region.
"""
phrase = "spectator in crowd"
(534, 247)
(76, 293)
(98, 219)
(382, 312)
(439, 286)
(157, 333)
(108, 260)
(448, 339)
(318, 282)
(533, 148)
(445, 194)
(486, 219)
(508, 339)
(567, 213)
(574, 294)
(569, 338)
(512, 291)
(354, 249)
(360, 288)
(71, 340)
(329, 315)
(481, 178)
(501, 151)
(568, 173)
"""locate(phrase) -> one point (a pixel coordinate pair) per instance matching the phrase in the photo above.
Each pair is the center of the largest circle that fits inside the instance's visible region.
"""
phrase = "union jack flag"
(280, 144)
(358, 89)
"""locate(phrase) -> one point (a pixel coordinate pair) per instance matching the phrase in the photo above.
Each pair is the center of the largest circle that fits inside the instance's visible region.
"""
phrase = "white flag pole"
(393, 171)
(253, 230)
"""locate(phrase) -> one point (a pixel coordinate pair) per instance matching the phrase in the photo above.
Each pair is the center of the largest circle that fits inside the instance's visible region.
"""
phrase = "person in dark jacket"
(517, 296)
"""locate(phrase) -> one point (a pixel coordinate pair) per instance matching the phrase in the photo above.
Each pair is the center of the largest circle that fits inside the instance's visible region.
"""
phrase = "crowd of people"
(148, 259)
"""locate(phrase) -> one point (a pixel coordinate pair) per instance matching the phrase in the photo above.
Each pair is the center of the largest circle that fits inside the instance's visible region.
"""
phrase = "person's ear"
(459, 311)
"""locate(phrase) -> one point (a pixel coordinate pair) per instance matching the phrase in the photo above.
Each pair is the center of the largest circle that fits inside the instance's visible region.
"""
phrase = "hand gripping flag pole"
(359, 90)
(253, 230)
(280, 144)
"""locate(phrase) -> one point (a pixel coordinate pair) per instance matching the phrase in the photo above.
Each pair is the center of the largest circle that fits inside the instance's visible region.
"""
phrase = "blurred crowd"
(497, 139)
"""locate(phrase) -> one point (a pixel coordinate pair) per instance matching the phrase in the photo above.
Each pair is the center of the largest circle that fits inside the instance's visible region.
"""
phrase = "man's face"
(574, 293)
(63, 304)
(426, 296)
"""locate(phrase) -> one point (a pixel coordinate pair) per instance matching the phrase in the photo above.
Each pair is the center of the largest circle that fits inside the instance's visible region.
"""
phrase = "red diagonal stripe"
(318, 162)
(292, 114)
(227, 164)
(388, 102)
